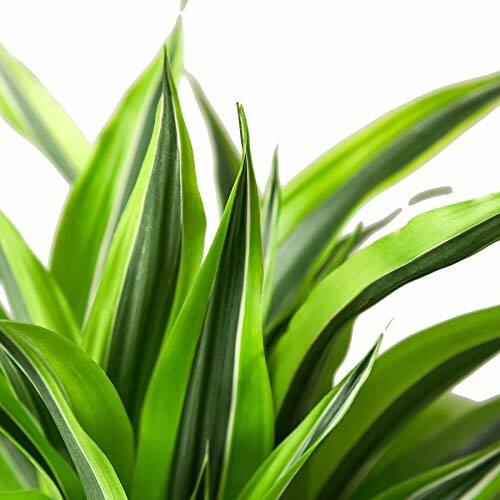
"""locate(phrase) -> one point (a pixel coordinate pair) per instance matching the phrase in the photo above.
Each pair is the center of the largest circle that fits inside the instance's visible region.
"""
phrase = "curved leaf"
(210, 382)
(97, 200)
(154, 256)
(27, 106)
(82, 402)
(317, 204)
(429, 242)
(405, 380)
(33, 294)
(278, 470)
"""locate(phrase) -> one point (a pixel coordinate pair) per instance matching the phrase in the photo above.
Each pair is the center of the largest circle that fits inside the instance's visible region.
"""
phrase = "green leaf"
(405, 380)
(154, 256)
(33, 294)
(477, 476)
(24, 495)
(83, 403)
(275, 474)
(225, 154)
(429, 242)
(10, 476)
(17, 423)
(202, 486)
(270, 210)
(98, 199)
(27, 106)
(3, 314)
(318, 203)
(449, 429)
(210, 382)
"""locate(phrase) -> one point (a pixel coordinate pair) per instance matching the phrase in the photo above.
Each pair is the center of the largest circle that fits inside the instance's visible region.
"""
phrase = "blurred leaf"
(24, 495)
(98, 199)
(318, 202)
(154, 256)
(3, 313)
(429, 242)
(10, 477)
(83, 403)
(275, 474)
(210, 382)
(225, 154)
(406, 378)
(449, 429)
(430, 193)
(202, 486)
(27, 106)
(33, 295)
(477, 476)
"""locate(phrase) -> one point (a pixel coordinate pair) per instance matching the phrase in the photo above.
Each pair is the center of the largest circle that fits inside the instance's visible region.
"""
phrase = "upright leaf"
(278, 470)
(33, 295)
(27, 106)
(429, 242)
(97, 200)
(225, 154)
(210, 383)
(318, 202)
(154, 256)
(82, 402)
(405, 380)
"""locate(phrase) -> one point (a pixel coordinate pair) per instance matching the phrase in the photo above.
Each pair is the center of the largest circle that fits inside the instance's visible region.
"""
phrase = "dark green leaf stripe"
(82, 402)
(30, 109)
(412, 374)
(225, 153)
(318, 203)
(276, 473)
(210, 383)
(96, 202)
(156, 251)
(427, 243)
(477, 476)
(33, 294)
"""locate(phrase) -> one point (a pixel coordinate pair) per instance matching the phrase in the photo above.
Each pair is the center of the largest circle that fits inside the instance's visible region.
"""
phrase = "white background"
(308, 73)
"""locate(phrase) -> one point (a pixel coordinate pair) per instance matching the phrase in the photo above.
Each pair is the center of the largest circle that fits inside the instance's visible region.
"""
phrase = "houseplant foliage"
(132, 367)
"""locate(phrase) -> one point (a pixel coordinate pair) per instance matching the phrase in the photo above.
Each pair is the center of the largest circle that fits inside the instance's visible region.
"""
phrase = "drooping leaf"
(278, 470)
(318, 202)
(476, 476)
(82, 402)
(154, 256)
(97, 200)
(449, 429)
(405, 380)
(225, 154)
(27, 106)
(33, 294)
(429, 242)
(210, 382)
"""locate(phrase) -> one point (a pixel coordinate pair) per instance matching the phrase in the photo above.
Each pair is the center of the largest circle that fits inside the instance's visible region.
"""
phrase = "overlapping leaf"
(210, 383)
(27, 106)
(319, 201)
(82, 402)
(427, 243)
(97, 200)
(405, 379)
(33, 294)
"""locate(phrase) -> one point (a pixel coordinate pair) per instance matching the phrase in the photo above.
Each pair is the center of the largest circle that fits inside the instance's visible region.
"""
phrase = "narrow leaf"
(98, 199)
(210, 382)
(27, 106)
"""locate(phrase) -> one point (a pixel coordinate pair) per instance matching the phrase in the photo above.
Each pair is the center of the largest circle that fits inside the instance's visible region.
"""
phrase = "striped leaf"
(33, 295)
(11, 475)
(97, 200)
(318, 203)
(154, 256)
(210, 383)
(82, 402)
(429, 242)
(27, 106)
(405, 380)
(477, 476)
(276, 473)
(225, 154)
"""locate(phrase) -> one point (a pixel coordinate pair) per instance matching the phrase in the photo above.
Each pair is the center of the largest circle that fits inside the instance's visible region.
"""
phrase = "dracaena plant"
(132, 367)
